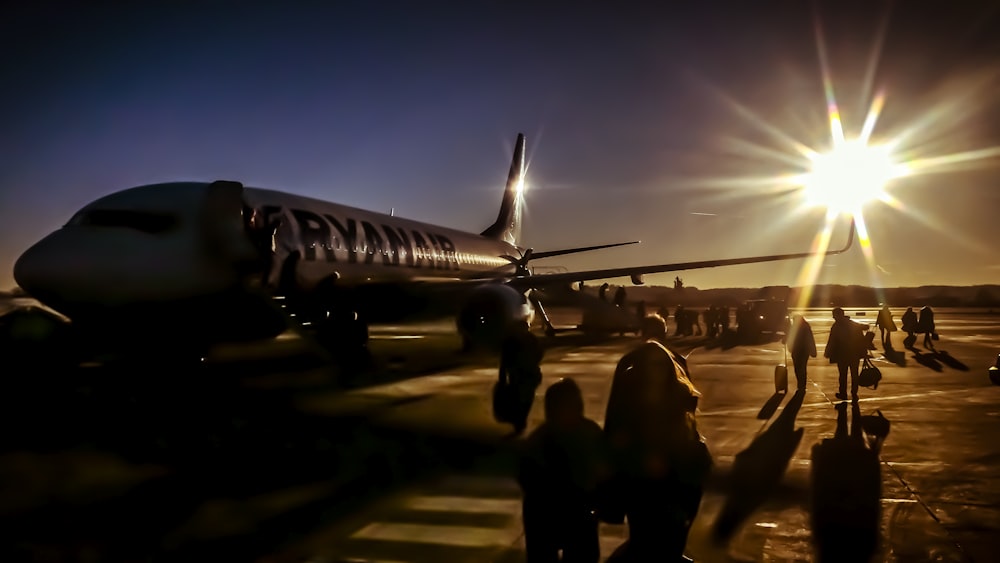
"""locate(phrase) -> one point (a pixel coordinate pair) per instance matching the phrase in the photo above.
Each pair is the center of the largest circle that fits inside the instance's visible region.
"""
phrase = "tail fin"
(508, 223)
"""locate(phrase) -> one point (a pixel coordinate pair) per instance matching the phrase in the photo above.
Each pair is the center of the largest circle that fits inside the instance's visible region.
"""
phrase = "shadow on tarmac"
(935, 358)
(927, 360)
(846, 488)
(219, 458)
(758, 470)
(845, 483)
(949, 360)
(897, 357)
(731, 338)
(770, 407)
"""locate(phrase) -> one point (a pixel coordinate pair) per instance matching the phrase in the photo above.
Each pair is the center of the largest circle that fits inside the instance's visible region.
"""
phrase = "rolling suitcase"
(781, 374)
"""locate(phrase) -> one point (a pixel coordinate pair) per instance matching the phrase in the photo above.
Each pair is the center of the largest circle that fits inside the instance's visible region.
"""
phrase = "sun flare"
(850, 171)
(850, 175)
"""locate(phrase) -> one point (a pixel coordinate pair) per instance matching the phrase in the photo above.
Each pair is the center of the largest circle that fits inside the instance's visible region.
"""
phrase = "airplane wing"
(635, 272)
(524, 282)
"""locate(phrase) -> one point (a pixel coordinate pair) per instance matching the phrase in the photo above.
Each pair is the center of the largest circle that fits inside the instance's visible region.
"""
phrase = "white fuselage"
(358, 247)
(169, 254)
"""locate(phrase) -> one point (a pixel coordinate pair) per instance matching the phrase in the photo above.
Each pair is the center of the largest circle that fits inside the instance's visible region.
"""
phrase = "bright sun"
(850, 175)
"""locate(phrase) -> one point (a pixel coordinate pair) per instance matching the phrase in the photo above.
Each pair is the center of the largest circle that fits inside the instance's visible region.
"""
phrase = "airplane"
(187, 265)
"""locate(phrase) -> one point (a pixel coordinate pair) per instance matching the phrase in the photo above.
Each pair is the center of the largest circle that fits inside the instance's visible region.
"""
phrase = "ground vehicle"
(762, 316)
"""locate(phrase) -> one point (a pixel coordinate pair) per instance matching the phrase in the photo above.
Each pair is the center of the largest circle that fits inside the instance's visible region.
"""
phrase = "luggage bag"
(781, 374)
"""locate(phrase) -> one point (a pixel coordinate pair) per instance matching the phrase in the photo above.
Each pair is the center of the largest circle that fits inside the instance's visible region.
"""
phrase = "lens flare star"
(852, 172)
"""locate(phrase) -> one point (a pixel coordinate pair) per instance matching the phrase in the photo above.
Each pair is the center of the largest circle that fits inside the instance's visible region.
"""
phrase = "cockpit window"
(145, 221)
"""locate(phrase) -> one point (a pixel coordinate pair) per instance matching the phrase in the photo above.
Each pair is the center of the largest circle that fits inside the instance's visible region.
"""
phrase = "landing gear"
(550, 330)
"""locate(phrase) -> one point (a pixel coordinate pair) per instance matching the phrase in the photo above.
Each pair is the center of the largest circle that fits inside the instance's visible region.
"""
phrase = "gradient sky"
(642, 123)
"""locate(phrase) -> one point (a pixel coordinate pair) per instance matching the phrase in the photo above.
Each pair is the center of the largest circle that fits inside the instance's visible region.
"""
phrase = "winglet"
(850, 240)
(507, 225)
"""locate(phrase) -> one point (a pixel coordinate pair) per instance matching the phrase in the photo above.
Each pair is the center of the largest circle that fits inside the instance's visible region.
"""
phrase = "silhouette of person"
(602, 293)
(261, 237)
(845, 347)
(620, 297)
(562, 462)
(708, 315)
(640, 310)
(520, 374)
(926, 326)
(886, 326)
(693, 320)
(654, 327)
(909, 320)
(659, 458)
(802, 345)
(846, 490)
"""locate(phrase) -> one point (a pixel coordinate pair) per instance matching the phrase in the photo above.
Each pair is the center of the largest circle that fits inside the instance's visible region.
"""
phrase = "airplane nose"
(32, 270)
(47, 272)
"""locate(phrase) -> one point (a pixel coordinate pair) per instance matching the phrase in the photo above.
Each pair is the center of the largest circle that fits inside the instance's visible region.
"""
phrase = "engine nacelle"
(489, 311)
(36, 340)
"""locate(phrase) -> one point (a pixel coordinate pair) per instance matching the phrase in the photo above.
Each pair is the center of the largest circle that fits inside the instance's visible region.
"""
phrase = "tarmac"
(416, 470)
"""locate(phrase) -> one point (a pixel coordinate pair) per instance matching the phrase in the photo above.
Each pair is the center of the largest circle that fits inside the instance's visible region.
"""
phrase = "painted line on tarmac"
(455, 536)
(465, 504)
(919, 463)
(926, 507)
(907, 396)
(746, 410)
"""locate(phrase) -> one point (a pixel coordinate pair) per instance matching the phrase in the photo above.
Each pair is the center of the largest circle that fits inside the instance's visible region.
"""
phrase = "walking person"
(926, 326)
(803, 346)
(886, 326)
(659, 458)
(520, 375)
(602, 293)
(909, 327)
(620, 297)
(846, 346)
(654, 327)
(562, 463)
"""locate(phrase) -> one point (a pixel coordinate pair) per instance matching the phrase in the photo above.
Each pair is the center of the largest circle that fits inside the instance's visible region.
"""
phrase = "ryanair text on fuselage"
(396, 246)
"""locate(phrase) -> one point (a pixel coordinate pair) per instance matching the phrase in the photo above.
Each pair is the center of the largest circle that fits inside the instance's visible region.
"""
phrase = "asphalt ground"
(243, 461)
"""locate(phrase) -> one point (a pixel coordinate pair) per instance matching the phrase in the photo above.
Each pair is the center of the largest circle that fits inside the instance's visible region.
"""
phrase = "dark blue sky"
(415, 105)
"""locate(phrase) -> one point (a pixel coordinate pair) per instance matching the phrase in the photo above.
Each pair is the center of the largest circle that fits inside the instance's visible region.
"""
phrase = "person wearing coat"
(562, 463)
(802, 346)
(926, 326)
(519, 376)
(846, 346)
(660, 460)
(909, 327)
(886, 326)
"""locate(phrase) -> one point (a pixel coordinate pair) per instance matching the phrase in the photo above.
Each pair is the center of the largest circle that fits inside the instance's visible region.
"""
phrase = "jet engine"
(33, 339)
(489, 311)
